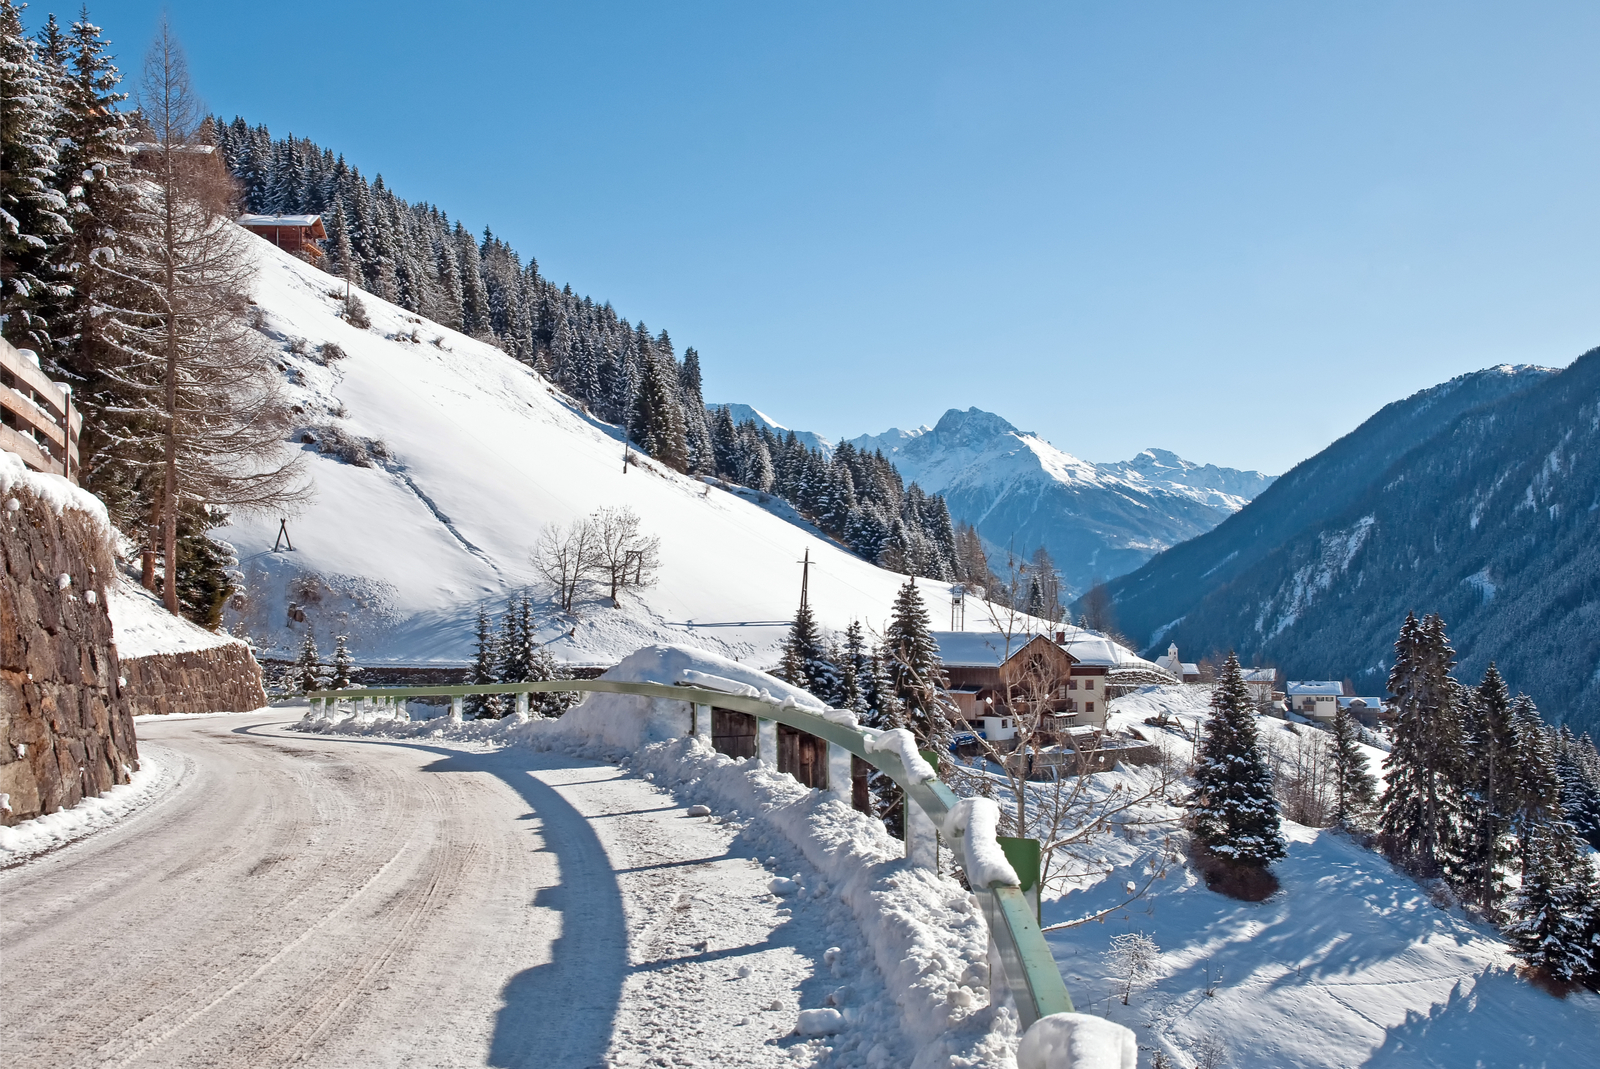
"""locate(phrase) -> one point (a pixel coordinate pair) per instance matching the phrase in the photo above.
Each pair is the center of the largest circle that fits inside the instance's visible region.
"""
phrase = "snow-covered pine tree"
(1233, 810)
(485, 665)
(1422, 806)
(1354, 786)
(855, 670)
(517, 641)
(1491, 746)
(1537, 787)
(308, 672)
(550, 703)
(33, 213)
(806, 663)
(1555, 908)
(1578, 767)
(917, 674)
(342, 662)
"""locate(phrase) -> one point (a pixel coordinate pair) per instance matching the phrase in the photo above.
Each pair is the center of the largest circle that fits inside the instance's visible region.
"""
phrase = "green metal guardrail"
(1030, 971)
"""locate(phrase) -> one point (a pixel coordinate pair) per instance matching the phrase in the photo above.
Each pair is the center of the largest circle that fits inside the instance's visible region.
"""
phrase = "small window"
(1072, 684)
(1088, 684)
(1005, 723)
(1088, 707)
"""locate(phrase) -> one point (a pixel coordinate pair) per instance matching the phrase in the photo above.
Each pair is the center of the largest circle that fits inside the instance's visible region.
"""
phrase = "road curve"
(311, 900)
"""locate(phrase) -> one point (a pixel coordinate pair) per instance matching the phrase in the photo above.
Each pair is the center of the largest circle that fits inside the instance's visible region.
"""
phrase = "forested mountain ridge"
(1152, 599)
(413, 256)
(1094, 520)
(1490, 522)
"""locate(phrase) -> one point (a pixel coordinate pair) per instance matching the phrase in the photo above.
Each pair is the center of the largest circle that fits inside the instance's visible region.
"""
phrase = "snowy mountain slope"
(469, 454)
(1350, 963)
(1097, 520)
(747, 414)
(1488, 519)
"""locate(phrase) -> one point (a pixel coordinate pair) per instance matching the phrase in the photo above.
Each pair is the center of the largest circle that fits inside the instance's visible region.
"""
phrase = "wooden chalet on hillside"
(296, 234)
(1069, 677)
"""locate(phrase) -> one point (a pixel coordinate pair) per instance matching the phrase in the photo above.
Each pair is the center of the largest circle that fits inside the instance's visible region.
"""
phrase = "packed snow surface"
(469, 455)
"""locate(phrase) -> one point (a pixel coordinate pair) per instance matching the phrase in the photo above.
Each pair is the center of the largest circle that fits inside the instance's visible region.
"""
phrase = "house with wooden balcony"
(299, 235)
(38, 420)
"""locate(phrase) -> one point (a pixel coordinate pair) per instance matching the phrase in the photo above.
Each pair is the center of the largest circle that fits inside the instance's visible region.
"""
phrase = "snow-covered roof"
(1367, 702)
(1315, 686)
(977, 649)
(988, 649)
(1190, 668)
(279, 220)
(1260, 675)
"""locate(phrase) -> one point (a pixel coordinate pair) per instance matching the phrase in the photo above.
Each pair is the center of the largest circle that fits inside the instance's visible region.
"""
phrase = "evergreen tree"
(33, 213)
(1578, 767)
(1354, 787)
(915, 671)
(1537, 787)
(308, 675)
(342, 662)
(855, 671)
(1422, 806)
(806, 663)
(544, 667)
(1491, 745)
(1555, 909)
(1234, 811)
(485, 665)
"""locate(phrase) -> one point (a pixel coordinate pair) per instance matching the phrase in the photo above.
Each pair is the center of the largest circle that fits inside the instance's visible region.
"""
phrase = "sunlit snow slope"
(481, 454)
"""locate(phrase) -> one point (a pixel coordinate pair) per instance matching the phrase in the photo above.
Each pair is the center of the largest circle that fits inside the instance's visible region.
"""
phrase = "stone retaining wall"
(220, 679)
(66, 730)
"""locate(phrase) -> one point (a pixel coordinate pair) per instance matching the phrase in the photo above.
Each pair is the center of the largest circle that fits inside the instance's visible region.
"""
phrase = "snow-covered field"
(1351, 963)
(481, 455)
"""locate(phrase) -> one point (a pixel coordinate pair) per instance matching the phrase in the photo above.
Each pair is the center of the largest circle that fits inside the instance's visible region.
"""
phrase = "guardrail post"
(701, 718)
(767, 742)
(456, 706)
(839, 770)
(522, 705)
(922, 838)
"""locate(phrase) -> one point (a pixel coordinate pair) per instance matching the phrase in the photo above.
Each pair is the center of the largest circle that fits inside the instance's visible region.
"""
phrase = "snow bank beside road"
(159, 770)
(925, 935)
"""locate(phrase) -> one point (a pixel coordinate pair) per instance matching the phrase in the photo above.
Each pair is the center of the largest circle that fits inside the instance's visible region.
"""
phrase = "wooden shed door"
(733, 733)
(803, 756)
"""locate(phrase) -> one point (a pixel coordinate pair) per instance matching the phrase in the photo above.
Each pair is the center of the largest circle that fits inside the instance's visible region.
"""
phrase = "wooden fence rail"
(37, 419)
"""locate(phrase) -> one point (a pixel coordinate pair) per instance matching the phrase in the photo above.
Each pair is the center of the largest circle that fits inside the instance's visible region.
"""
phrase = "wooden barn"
(297, 234)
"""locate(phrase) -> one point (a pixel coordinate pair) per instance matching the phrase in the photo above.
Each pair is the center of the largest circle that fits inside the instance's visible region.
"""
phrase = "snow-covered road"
(355, 902)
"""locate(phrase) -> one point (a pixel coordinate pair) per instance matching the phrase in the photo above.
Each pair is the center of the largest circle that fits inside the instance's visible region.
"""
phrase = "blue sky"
(1233, 230)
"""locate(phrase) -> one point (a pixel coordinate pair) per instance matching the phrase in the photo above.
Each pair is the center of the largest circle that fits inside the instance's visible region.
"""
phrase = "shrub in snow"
(1134, 959)
(355, 313)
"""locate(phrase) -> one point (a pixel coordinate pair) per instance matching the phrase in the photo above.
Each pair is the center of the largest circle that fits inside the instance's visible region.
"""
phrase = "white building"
(1314, 699)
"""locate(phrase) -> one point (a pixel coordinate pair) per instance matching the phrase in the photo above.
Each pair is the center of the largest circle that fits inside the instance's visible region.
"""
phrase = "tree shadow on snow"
(1502, 1022)
(562, 1012)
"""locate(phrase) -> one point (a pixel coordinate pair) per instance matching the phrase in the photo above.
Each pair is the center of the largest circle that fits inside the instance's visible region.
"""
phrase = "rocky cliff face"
(66, 730)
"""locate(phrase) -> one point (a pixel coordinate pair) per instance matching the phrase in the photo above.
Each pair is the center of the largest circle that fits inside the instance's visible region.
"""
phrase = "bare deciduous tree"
(1134, 960)
(626, 556)
(566, 557)
(609, 547)
(205, 405)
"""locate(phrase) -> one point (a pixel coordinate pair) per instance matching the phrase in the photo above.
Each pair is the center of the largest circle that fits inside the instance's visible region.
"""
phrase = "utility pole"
(805, 577)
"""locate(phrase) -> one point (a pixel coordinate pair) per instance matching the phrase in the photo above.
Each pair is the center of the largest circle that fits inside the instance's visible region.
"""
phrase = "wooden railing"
(37, 419)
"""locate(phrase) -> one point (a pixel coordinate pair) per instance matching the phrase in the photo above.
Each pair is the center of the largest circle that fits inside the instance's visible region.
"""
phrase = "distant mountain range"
(1096, 520)
(747, 414)
(1478, 499)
